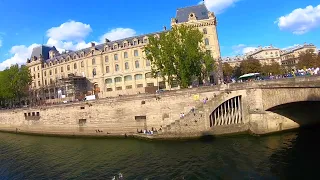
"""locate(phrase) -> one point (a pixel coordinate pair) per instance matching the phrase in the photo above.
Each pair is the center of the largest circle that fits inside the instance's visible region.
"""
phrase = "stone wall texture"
(127, 114)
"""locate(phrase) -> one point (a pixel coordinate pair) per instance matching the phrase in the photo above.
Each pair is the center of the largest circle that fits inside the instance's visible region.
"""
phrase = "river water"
(290, 155)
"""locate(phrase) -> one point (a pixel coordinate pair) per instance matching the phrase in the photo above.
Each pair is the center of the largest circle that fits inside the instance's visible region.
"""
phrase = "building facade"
(115, 67)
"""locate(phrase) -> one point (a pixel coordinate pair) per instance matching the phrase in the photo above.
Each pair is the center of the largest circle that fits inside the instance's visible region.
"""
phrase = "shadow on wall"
(304, 113)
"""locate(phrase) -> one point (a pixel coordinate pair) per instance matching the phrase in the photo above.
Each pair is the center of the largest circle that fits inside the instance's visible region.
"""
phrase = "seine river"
(290, 155)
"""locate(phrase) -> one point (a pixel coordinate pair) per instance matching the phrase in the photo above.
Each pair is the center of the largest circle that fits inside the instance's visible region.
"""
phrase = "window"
(126, 65)
(61, 69)
(135, 43)
(38, 83)
(148, 62)
(68, 68)
(115, 46)
(93, 61)
(136, 64)
(115, 57)
(56, 71)
(118, 88)
(148, 75)
(68, 58)
(145, 40)
(206, 41)
(38, 67)
(108, 81)
(116, 67)
(136, 53)
(124, 44)
(34, 68)
(94, 72)
(139, 85)
(45, 82)
(128, 78)
(82, 64)
(117, 79)
(138, 76)
(50, 72)
(74, 57)
(51, 81)
(106, 59)
(125, 54)
(107, 69)
(38, 75)
(205, 31)
(266, 53)
(109, 89)
(129, 87)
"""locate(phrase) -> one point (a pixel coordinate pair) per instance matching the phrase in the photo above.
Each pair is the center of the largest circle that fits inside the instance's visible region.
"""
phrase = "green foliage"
(308, 59)
(227, 70)
(14, 83)
(272, 69)
(250, 65)
(179, 55)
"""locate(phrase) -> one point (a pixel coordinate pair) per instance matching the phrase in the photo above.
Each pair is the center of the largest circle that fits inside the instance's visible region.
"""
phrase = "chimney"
(164, 28)
(93, 44)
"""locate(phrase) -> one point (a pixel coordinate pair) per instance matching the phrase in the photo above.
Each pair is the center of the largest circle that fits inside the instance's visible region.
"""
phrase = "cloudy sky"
(242, 24)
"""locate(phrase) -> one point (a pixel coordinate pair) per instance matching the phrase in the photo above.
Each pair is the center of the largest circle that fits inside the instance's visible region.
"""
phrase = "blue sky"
(73, 24)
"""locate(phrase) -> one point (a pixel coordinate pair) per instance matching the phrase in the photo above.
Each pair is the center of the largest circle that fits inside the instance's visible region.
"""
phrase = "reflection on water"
(281, 156)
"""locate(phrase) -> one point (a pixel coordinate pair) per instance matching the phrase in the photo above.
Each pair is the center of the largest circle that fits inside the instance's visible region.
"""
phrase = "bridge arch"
(227, 113)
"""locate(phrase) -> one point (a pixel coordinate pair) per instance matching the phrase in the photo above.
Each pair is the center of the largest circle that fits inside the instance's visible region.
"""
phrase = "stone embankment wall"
(231, 108)
(111, 116)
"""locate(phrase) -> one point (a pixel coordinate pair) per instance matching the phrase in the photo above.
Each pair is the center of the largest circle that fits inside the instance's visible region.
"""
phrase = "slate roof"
(200, 11)
(43, 50)
(101, 46)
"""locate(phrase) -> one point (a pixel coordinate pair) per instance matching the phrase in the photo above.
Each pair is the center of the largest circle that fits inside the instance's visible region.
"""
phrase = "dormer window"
(115, 46)
(145, 40)
(124, 44)
(74, 57)
(135, 42)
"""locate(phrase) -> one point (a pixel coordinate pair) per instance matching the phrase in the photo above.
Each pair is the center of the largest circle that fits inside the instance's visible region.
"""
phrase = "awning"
(249, 75)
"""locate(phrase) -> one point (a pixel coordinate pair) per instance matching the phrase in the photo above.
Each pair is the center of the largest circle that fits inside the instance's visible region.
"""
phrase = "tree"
(14, 82)
(274, 68)
(307, 59)
(227, 70)
(179, 55)
(250, 65)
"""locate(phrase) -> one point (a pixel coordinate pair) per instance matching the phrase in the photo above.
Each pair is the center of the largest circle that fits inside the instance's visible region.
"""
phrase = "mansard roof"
(200, 11)
(101, 46)
(41, 50)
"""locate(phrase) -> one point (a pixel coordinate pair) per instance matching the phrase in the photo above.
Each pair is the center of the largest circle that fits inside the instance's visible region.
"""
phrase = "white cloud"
(20, 54)
(118, 33)
(242, 49)
(69, 31)
(70, 35)
(218, 6)
(300, 21)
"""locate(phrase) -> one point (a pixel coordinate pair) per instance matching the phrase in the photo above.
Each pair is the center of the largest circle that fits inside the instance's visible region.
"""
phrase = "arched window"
(116, 67)
(137, 64)
(206, 41)
(205, 31)
(128, 78)
(93, 61)
(50, 72)
(56, 71)
(108, 81)
(68, 68)
(138, 76)
(148, 62)
(126, 65)
(107, 69)
(94, 72)
(117, 79)
(82, 64)
(75, 66)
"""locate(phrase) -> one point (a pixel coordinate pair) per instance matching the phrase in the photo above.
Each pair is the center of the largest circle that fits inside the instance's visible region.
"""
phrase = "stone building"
(290, 57)
(266, 55)
(117, 67)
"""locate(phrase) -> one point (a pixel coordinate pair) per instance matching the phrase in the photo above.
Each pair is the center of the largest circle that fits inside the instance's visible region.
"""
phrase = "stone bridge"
(260, 107)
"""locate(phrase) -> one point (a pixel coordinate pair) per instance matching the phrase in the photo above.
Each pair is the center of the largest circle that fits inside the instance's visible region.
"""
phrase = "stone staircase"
(192, 122)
